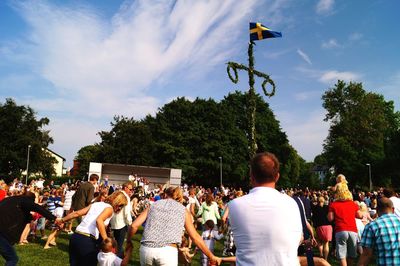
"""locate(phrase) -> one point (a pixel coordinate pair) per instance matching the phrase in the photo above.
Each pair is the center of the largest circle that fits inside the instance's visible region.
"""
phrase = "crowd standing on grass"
(264, 226)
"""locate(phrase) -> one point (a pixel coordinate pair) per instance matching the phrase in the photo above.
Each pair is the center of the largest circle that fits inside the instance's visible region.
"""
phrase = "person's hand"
(215, 261)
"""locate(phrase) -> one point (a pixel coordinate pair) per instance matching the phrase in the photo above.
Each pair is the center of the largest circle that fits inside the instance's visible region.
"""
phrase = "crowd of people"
(265, 226)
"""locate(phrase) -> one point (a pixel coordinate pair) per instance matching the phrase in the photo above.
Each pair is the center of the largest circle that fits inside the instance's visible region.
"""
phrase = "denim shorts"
(346, 244)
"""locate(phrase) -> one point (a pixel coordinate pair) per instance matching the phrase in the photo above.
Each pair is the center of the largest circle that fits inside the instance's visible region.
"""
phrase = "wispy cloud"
(333, 75)
(116, 61)
(329, 76)
(332, 43)
(324, 6)
(355, 36)
(304, 56)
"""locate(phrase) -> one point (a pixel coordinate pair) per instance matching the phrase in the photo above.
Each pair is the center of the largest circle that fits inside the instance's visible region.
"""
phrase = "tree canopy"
(20, 128)
(192, 135)
(363, 130)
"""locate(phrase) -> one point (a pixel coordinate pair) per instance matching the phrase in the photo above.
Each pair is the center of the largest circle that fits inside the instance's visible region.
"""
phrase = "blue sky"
(79, 63)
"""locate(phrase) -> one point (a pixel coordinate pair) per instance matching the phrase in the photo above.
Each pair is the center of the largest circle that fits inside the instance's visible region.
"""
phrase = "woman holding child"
(84, 243)
(165, 221)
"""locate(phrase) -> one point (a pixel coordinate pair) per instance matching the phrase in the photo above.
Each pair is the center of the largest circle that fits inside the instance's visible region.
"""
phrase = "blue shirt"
(383, 235)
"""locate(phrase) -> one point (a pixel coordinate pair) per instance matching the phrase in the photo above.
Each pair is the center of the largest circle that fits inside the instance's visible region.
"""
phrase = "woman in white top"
(84, 243)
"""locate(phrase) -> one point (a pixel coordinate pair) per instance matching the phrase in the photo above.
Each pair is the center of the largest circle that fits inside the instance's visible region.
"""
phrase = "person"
(343, 212)
(209, 210)
(389, 193)
(16, 214)
(266, 224)
(107, 255)
(120, 221)
(323, 227)
(162, 235)
(84, 242)
(341, 184)
(84, 194)
(382, 236)
(209, 236)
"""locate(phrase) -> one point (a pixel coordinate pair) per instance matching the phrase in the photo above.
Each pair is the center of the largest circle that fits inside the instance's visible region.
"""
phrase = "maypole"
(257, 32)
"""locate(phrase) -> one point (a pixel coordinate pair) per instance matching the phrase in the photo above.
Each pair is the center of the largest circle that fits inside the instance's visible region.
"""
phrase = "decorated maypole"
(257, 32)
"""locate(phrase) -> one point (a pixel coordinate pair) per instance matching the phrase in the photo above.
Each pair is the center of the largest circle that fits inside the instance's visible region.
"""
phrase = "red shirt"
(345, 215)
(2, 194)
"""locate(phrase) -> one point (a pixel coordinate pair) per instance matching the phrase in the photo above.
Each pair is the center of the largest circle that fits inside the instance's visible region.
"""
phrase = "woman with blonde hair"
(323, 227)
(84, 243)
(344, 211)
(166, 220)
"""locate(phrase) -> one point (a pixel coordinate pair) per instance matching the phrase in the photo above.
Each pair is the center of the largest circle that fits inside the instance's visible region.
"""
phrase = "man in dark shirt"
(15, 216)
(85, 193)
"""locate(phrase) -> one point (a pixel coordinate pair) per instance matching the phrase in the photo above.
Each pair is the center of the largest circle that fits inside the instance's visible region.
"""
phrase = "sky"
(81, 62)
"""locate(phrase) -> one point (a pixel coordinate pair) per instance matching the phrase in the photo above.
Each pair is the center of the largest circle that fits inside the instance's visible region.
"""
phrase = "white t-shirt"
(267, 228)
(88, 224)
(396, 205)
(108, 259)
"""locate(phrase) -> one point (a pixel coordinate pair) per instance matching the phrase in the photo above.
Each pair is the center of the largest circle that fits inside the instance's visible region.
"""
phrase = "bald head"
(264, 168)
(385, 205)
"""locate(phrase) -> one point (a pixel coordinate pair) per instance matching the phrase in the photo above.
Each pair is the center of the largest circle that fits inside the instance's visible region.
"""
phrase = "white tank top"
(88, 224)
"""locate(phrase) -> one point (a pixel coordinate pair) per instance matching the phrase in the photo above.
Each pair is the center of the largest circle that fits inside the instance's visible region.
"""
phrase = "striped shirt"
(383, 235)
(165, 224)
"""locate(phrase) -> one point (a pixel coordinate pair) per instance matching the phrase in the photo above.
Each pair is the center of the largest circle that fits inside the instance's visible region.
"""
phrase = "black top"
(319, 216)
(15, 214)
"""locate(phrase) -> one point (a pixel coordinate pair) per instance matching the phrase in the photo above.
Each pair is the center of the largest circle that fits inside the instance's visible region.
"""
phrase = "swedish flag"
(258, 32)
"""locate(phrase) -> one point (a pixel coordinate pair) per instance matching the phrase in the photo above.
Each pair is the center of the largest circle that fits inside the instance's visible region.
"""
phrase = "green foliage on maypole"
(251, 102)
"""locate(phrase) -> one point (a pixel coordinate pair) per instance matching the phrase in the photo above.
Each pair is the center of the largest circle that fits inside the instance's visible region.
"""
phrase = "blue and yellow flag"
(258, 32)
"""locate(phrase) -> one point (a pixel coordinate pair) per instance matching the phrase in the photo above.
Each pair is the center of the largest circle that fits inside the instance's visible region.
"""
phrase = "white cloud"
(356, 36)
(333, 75)
(114, 62)
(325, 6)
(306, 95)
(332, 43)
(305, 132)
(304, 56)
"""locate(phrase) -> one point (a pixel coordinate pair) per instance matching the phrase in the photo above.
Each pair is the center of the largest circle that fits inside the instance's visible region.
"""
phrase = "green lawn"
(34, 254)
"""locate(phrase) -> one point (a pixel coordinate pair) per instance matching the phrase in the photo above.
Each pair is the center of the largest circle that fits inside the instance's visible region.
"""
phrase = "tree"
(19, 128)
(128, 142)
(87, 154)
(361, 124)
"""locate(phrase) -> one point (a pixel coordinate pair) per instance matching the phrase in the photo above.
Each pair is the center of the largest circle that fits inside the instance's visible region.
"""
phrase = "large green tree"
(19, 128)
(192, 135)
(362, 126)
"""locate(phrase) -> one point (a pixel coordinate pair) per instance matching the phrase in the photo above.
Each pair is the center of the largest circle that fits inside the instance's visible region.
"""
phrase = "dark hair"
(210, 224)
(387, 192)
(264, 167)
(94, 177)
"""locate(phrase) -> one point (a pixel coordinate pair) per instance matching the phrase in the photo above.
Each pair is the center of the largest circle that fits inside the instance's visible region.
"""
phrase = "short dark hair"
(383, 204)
(264, 167)
(388, 192)
(94, 177)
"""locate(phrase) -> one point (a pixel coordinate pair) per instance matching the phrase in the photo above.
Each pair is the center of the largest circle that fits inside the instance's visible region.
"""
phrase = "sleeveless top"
(88, 224)
(165, 224)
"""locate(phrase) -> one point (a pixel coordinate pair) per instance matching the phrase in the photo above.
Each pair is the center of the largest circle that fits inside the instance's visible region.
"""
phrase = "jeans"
(83, 250)
(119, 235)
(8, 252)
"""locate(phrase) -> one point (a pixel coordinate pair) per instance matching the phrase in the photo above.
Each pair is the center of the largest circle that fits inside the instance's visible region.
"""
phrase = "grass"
(34, 254)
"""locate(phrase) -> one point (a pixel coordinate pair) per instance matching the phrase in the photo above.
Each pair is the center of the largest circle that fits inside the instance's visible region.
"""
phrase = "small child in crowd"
(107, 256)
(209, 236)
(184, 255)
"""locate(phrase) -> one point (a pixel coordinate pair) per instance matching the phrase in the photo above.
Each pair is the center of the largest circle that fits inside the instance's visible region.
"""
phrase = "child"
(341, 189)
(107, 256)
(209, 236)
